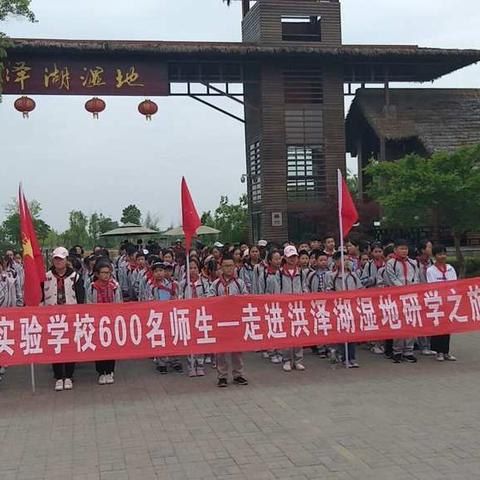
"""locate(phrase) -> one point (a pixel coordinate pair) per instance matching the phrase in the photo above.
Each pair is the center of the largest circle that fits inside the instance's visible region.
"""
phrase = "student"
(364, 259)
(248, 273)
(304, 264)
(424, 262)
(161, 287)
(238, 259)
(441, 271)
(291, 281)
(316, 244)
(400, 271)
(336, 283)
(63, 286)
(330, 250)
(199, 288)
(353, 255)
(139, 273)
(225, 285)
(371, 268)
(104, 289)
(126, 273)
(269, 284)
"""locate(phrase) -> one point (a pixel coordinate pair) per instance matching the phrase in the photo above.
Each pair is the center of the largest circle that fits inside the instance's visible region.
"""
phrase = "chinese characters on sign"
(85, 76)
(239, 323)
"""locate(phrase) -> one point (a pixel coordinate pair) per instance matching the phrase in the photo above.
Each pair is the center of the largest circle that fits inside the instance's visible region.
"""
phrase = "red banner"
(243, 323)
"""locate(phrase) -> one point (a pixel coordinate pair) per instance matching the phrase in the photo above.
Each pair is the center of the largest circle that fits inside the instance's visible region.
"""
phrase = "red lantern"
(95, 106)
(148, 108)
(24, 105)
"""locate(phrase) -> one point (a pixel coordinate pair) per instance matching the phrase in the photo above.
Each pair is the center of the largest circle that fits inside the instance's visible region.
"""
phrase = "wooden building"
(291, 73)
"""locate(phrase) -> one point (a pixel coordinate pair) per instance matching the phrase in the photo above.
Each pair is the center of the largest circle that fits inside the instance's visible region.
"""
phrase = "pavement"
(383, 421)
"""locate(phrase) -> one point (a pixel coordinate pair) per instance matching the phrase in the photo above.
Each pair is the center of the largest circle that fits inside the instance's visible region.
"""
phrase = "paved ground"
(383, 421)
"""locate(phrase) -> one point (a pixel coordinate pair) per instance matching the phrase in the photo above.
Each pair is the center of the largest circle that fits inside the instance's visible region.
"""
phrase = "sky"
(66, 160)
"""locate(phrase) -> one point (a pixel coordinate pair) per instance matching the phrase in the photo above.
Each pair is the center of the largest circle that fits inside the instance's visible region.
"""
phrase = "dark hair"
(271, 253)
(376, 245)
(421, 246)
(329, 235)
(168, 251)
(139, 254)
(139, 241)
(195, 261)
(102, 263)
(388, 250)
(157, 264)
(320, 253)
(131, 249)
(303, 252)
(337, 256)
(439, 249)
(227, 256)
(401, 242)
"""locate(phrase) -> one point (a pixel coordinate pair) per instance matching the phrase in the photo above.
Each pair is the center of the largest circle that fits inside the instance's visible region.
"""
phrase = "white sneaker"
(287, 367)
(378, 350)
(102, 379)
(428, 352)
(68, 384)
(450, 358)
(109, 378)
(2, 370)
(265, 355)
(59, 385)
(276, 359)
(300, 367)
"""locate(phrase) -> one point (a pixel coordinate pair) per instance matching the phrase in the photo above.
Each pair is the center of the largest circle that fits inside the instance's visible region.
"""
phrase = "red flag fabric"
(347, 211)
(190, 219)
(32, 255)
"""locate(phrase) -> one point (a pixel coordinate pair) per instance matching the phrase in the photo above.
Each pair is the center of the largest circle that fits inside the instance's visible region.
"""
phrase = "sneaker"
(240, 380)
(354, 364)
(276, 359)
(299, 366)
(376, 350)
(68, 384)
(410, 358)
(315, 350)
(200, 371)
(287, 367)
(440, 357)
(397, 358)
(59, 385)
(192, 372)
(265, 355)
(102, 380)
(214, 363)
(222, 383)
(427, 352)
(177, 367)
(109, 378)
(162, 369)
(450, 358)
(322, 353)
(2, 370)
(208, 359)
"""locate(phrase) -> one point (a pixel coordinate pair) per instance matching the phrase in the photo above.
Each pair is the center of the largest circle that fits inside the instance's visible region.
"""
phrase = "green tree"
(10, 230)
(98, 224)
(131, 214)
(77, 231)
(443, 190)
(230, 218)
(352, 182)
(151, 221)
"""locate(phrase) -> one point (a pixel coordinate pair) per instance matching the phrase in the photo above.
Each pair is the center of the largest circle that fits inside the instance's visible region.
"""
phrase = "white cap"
(60, 252)
(218, 244)
(262, 243)
(290, 251)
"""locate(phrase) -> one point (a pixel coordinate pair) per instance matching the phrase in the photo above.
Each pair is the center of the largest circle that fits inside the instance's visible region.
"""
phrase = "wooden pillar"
(383, 149)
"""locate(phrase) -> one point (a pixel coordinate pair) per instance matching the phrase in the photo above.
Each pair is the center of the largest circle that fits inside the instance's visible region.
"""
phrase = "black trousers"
(440, 344)
(104, 367)
(389, 347)
(63, 370)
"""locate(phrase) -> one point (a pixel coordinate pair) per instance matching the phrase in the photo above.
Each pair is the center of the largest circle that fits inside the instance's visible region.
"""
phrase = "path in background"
(383, 421)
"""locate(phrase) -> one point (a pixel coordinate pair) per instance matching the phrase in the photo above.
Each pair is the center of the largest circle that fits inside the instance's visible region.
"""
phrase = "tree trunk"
(460, 258)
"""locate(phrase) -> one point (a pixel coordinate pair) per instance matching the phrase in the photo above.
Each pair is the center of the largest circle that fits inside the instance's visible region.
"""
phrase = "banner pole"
(32, 375)
(342, 246)
(188, 290)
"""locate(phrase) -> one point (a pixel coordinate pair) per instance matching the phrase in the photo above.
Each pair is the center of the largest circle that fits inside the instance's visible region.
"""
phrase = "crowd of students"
(150, 273)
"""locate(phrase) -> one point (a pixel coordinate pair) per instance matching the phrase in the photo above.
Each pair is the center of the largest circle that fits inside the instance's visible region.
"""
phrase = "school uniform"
(219, 288)
(104, 292)
(317, 281)
(66, 290)
(292, 282)
(400, 272)
(369, 274)
(126, 279)
(198, 289)
(8, 290)
(441, 343)
(335, 283)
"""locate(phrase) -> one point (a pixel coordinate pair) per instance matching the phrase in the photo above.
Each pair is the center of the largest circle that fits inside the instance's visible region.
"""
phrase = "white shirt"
(435, 275)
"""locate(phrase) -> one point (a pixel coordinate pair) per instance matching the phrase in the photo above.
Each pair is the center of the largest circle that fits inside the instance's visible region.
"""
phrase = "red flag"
(190, 219)
(32, 255)
(347, 211)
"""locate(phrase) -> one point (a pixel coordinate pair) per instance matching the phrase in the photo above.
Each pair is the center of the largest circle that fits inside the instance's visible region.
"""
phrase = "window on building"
(255, 173)
(305, 172)
(301, 28)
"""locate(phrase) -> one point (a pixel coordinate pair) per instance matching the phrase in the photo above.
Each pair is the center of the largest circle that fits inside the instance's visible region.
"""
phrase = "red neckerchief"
(105, 290)
(442, 270)
(193, 287)
(424, 262)
(131, 267)
(225, 283)
(403, 262)
(271, 271)
(286, 271)
(161, 286)
(379, 263)
(60, 281)
(330, 254)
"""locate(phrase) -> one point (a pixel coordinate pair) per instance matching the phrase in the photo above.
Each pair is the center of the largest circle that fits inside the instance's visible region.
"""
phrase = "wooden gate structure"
(291, 73)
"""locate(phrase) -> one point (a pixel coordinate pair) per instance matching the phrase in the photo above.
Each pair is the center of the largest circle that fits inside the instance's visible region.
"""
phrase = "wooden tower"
(294, 118)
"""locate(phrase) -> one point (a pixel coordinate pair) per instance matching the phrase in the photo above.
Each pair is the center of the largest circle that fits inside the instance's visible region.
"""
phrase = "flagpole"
(188, 290)
(342, 253)
(32, 374)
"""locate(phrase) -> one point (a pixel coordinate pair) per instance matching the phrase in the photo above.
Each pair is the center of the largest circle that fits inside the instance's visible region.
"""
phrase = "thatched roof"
(441, 119)
(418, 64)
